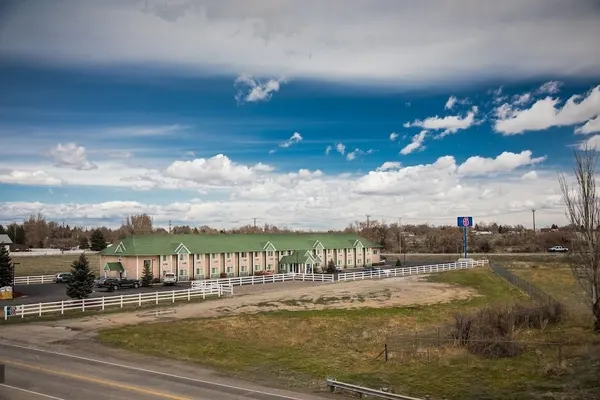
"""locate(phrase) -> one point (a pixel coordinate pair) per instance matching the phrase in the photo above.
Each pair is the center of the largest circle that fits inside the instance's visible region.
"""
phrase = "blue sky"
(99, 122)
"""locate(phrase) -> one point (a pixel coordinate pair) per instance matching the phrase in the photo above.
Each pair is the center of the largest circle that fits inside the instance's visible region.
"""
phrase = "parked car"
(113, 284)
(373, 268)
(63, 277)
(558, 249)
(339, 268)
(169, 279)
(100, 281)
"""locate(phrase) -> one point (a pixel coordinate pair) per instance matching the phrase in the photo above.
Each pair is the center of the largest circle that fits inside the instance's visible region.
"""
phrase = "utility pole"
(368, 216)
(169, 226)
(400, 235)
(254, 222)
(533, 213)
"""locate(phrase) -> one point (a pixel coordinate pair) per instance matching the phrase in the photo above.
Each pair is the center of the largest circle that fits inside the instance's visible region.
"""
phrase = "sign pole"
(465, 239)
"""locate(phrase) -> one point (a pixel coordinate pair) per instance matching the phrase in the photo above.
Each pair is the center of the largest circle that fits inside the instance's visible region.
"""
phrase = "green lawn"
(302, 348)
(48, 265)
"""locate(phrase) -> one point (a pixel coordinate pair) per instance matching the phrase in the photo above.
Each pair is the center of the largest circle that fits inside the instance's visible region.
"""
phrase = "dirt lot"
(389, 292)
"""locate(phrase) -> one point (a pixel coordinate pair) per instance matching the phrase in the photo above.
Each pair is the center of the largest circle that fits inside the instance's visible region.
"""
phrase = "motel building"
(201, 256)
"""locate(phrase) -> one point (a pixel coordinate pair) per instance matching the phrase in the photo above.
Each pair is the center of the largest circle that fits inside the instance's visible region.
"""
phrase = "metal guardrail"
(33, 279)
(364, 391)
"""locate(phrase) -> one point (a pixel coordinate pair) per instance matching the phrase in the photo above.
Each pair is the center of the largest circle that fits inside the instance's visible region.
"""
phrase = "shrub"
(398, 263)
(330, 267)
(223, 275)
(263, 273)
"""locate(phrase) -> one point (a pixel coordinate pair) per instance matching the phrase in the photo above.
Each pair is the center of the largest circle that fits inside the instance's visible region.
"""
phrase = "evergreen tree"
(398, 263)
(83, 243)
(2, 230)
(6, 268)
(97, 241)
(147, 275)
(330, 267)
(82, 283)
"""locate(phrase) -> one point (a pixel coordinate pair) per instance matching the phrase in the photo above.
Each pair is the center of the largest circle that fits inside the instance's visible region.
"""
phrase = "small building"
(5, 241)
(202, 256)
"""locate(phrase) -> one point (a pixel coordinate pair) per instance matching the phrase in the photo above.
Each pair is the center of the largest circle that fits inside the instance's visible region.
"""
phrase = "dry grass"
(301, 348)
(47, 265)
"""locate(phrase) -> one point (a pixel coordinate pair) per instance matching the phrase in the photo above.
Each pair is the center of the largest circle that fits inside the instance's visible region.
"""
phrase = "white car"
(169, 279)
(558, 249)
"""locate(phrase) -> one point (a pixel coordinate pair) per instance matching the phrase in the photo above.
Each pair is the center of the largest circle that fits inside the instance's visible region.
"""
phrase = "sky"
(309, 114)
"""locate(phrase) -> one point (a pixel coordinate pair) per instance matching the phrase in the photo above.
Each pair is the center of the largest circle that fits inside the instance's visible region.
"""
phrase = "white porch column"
(137, 267)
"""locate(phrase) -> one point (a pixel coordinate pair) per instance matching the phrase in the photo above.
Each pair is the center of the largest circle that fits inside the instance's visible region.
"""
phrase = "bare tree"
(583, 213)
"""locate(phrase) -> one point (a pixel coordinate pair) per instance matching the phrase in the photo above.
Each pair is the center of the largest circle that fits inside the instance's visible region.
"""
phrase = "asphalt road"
(44, 374)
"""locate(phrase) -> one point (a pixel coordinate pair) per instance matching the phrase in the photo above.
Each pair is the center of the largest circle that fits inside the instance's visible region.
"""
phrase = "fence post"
(189, 294)
(62, 306)
(156, 297)
(385, 352)
(5, 312)
(40, 309)
(173, 296)
(121, 301)
(102, 303)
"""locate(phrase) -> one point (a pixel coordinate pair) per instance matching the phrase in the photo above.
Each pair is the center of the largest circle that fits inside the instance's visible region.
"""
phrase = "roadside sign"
(464, 222)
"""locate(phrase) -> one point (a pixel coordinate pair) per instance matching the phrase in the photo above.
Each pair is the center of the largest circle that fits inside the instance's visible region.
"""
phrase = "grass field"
(302, 348)
(48, 265)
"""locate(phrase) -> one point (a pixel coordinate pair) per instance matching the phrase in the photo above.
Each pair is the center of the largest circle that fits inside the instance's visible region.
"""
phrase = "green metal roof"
(114, 266)
(164, 244)
(297, 257)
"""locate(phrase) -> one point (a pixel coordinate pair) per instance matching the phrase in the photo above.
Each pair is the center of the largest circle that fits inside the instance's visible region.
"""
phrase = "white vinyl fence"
(255, 280)
(421, 269)
(49, 252)
(33, 279)
(102, 303)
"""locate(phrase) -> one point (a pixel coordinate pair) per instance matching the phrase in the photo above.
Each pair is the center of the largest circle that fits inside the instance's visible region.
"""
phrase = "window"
(257, 267)
(198, 256)
(368, 250)
(148, 263)
(228, 255)
(269, 267)
(181, 257)
(270, 253)
(199, 271)
(183, 272)
(214, 271)
(164, 258)
(256, 254)
(213, 256)
(244, 268)
(230, 270)
(374, 251)
(243, 254)
(328, 251)
(368, 261)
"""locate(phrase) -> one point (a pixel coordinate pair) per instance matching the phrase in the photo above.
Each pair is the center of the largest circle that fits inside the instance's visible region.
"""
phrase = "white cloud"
(593, 143)
(521, 100)
(159, 130)
(393, 136)
(551, 87)
(546, 113)
(35, 178)
(328, 150)
(340, 148)
(358, 152)
(450, 103)
(450, 124)
(529, 176)
(505, 162)
(232, 191)
(415, 144)
(592, 126)
(218, 171)
(389, 165)
(71, 156)
(295, 138)
(255, 90)
(314, 39)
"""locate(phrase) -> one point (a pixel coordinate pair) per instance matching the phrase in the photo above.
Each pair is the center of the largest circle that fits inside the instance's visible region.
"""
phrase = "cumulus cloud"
(415, 144)
(71, 156)
(328, 150)
(547, 113)
(314, 39)
(358, 152)
(393, 136)
(301, 199)
(252, 90)
(453, 100)
(521, 99)
(593, 143)
(505, 162)
(450, 124)
(592, 126)
(340, 148)
(529, 176)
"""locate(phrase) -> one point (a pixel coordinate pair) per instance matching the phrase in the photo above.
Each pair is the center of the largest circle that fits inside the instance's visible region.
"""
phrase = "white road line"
(223, 385)
(47, 396)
